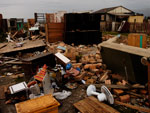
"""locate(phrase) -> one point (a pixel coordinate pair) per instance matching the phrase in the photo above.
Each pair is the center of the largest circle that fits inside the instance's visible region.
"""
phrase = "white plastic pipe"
(91, 90)
(102, 97)
(95, 93)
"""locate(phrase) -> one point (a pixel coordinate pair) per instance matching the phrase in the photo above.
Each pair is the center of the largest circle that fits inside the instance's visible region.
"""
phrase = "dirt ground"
(9, 108)
(66, 105)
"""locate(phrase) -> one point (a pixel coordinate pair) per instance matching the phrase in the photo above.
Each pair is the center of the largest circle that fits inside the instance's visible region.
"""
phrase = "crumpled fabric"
(62, 95)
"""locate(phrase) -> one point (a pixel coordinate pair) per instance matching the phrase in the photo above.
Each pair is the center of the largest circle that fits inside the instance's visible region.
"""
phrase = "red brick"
(107, 81)
(125, 98)
(143, 91)
(118, 91)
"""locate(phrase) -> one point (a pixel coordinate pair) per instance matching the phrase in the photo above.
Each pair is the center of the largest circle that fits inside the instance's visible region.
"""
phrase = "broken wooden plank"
(15, 62)
(2, 94)
(14, 35)
(135, 94)
(3, 46)
(10, 61)
(141, 109)
(119, 86)
(92, 105)
(27, 45)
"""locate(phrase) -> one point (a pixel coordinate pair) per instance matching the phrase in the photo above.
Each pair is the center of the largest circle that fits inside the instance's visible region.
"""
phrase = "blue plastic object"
(78, 69)
(68, 66)
(141, 39)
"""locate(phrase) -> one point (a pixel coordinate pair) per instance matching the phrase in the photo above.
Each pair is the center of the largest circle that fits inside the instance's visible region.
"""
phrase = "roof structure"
(106, 10)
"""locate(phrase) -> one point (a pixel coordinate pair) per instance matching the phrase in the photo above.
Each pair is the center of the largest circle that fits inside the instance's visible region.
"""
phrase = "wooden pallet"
(92, 105)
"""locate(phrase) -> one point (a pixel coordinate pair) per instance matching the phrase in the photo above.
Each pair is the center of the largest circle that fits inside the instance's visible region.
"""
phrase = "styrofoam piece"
(18, 87)
(62, 58)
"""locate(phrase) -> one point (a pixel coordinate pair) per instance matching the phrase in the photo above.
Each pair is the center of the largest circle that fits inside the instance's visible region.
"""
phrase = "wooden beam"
(141, 109)
(137, 95)
(46, 30)
(119, 86)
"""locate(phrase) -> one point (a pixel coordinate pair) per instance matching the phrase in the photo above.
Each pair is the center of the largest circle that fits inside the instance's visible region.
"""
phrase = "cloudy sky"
(26, 8)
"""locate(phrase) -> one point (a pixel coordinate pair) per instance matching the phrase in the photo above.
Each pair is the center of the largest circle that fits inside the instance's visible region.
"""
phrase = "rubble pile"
(86, 64)
(106, 37)
(47, 64)
(87, 58)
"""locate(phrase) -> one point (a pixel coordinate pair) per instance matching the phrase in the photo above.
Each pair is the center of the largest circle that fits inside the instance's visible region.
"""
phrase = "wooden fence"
(140, 27)
(133, 27)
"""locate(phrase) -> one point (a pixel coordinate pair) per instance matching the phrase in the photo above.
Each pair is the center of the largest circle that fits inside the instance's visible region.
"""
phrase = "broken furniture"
(105, 94)
(28, 45)
(92, 105)
(32, 63)
(125, 60)
(42, 104)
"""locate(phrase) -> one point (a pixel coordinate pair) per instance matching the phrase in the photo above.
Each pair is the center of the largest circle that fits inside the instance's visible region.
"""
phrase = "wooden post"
(149, 82)
(46, 30)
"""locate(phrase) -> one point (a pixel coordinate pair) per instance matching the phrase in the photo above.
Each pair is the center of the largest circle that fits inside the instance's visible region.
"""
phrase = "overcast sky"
(26, 8)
